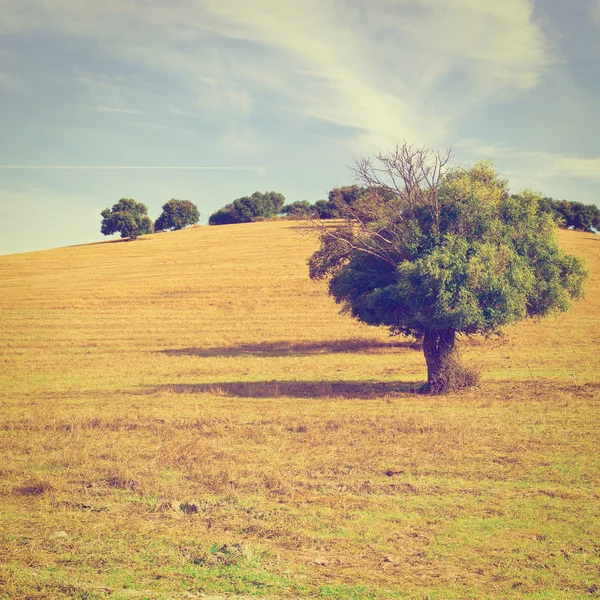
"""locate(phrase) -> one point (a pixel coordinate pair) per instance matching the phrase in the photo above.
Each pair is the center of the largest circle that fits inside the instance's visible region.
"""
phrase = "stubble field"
(189, 415)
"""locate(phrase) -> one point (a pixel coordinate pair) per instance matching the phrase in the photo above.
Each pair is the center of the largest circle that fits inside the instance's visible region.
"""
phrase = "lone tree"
(177, 214)
(128, 217)
(433, 252)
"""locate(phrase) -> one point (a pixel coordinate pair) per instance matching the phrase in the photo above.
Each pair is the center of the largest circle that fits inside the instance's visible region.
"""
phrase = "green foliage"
(127, 217)
(260, 206)
(224, 216)
(340, 203)
(337, 205)
(301, 209)
(249, 208)
(324, 210)
(345, 197)
(357, 202)
(572, 215)
(177, 214)
(444, 253)
(493, 260)
(274, 202)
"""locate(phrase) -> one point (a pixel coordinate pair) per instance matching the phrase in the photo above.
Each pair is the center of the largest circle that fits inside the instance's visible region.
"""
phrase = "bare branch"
(398, 184)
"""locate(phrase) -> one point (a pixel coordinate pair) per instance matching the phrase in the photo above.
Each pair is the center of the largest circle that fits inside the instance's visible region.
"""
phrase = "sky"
(210, 100)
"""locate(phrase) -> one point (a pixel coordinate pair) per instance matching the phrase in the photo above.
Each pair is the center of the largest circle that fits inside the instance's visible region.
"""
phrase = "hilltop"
(190, 413)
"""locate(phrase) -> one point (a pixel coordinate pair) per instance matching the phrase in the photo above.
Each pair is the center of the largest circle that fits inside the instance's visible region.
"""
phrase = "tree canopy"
(434, 251)
(573, 215)
(271, 204)
(301, 209)
(177, 214)
(127, 217)
(249, 208)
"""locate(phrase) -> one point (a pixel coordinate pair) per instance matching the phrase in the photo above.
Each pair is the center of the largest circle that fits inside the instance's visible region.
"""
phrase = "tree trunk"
(438, 348)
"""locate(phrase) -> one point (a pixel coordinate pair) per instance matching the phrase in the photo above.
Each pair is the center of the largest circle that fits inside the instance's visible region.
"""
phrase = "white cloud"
(374, 81)
(376, 68)
(108, 93)
(531, 164)
(500, 40)
(583, 168)
(325, 57)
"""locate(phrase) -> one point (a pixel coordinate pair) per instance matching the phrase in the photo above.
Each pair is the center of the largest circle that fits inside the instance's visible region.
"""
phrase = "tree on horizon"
(127, 217)
(177, 214)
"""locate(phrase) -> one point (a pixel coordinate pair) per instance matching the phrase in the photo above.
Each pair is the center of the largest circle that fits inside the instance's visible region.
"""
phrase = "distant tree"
(325, 210)
(435, 252)
(177, 214)
(127, 217)
(274, 201)
(585, 217)
(548, 205)
(258, 206)
(572, 215)
(357, 200)
(301, 209)
(249, 208)
(224, 216)
(341, 199)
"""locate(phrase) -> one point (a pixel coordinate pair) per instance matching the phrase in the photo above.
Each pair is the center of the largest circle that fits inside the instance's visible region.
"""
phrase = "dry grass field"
(188, 415)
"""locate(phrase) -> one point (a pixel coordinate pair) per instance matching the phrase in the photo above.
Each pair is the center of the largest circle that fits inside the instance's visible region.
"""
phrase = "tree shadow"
(287, 348)
(294, 389)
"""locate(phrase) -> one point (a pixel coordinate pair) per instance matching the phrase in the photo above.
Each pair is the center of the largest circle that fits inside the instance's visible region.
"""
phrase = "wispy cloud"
(375, 68)
(112, 109)
(536, 164)
(130, 167)
(329, 61)
(499, 43)
(108, 93)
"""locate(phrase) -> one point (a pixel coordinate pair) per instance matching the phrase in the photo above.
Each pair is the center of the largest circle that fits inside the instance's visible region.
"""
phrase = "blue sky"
(280, 95)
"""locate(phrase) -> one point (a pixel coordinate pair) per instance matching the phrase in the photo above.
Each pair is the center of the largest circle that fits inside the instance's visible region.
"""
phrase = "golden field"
(188, 415)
